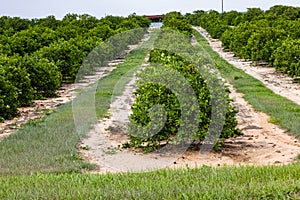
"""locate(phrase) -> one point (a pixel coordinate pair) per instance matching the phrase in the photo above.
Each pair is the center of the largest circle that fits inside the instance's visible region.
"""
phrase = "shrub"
(8, 98)
(175, 21)
(287, 57)
(66, 56)
(45, 76)
(19, 78)
(174, 100)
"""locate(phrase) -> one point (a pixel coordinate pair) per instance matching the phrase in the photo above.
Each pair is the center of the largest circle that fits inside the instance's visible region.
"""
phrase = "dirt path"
(279, 83)
(263, 143)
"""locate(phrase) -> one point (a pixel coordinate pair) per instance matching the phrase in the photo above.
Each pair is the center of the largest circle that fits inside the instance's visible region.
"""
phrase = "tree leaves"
(37, 55)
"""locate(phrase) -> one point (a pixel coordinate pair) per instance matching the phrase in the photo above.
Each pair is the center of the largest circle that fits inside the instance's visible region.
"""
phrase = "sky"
(100, 8)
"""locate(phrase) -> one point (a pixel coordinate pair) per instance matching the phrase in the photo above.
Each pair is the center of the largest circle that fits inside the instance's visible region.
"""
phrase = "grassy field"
(272, 182)
(28, 152)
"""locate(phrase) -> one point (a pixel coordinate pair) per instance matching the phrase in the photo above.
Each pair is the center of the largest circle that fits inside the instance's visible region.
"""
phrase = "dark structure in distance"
(155, 18)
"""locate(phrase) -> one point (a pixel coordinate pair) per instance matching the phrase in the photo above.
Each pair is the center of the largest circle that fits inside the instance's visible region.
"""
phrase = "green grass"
(271, 182)
(106, 87)
(281, 110)
(50, 144)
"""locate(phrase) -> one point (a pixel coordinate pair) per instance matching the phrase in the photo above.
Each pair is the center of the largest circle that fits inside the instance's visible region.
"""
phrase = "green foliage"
(253, 14)
(102, 31)
(31, 40)
(215, 23)
(112, 21)
(227, 39)
(256, 34)
(15, 24)
(49, 22)
(287, 12)
(36, 55)
(231, 18)
(261, 98)
(8, 98)
(237, 39)
(143, 22)
(175, 21)
(45, 76)
(263, 44)
(68, 31)
(105, 51)
(128, 24)
(174, 100)
(287, 57)
(66, 56)
(19, 77)
(50, 144)
(195, 18)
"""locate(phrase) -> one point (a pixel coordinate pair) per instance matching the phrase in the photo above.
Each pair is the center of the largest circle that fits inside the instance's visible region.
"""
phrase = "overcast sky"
(100, 8)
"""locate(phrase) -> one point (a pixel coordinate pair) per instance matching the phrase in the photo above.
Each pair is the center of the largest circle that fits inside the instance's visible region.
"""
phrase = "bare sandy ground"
(263, 143)
(279, 83)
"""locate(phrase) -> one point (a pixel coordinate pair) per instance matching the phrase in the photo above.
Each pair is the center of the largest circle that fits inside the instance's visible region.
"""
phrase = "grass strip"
(50, 144)
(270, 182)
(281, 110)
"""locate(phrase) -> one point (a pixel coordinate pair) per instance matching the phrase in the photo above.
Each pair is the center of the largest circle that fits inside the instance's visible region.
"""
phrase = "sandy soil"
(280, 83)
(263, 143)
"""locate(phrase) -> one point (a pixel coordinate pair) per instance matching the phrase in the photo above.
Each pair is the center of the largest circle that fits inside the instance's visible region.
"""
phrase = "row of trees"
(270, 36)
(37, 55)
(175, 21)
(178, 98)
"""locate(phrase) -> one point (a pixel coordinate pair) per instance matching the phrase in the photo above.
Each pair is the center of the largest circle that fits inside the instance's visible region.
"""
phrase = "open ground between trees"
(263, 143)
